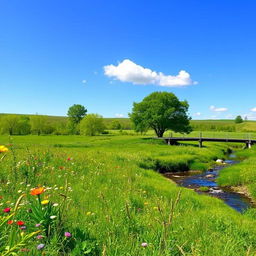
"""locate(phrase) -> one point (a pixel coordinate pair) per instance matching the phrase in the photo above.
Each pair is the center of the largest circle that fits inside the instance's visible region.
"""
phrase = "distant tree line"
(160, 111)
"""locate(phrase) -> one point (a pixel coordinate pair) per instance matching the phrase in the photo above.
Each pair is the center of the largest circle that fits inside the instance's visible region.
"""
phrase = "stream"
(195, 180)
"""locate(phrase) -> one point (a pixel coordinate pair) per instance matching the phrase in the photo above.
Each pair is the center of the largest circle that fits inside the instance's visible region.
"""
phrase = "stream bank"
(205, 183)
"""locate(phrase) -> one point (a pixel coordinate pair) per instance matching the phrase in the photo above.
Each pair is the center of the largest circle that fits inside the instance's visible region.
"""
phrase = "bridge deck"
(207, 139)
(173, 140)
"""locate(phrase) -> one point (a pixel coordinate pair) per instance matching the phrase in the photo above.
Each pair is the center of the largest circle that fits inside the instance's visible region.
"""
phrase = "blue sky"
(54, 54)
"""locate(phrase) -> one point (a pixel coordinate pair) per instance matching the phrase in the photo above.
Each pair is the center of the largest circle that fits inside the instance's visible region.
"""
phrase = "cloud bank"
(213, 108)
(128, 71)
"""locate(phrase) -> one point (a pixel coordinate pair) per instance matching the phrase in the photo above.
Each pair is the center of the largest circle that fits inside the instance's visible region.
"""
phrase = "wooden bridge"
(174, 140)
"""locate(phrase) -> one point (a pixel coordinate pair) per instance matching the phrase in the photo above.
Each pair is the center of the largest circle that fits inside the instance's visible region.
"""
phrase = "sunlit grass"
(117, 202)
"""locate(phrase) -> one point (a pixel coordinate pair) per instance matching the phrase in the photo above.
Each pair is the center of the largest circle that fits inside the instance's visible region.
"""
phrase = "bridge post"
(169, 142)
(200, 140)
(248, 144)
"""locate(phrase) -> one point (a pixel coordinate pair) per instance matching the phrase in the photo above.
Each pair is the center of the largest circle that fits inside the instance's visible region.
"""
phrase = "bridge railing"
(223, 135)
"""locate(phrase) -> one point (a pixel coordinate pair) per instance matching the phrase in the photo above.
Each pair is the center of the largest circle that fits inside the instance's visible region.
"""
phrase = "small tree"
(39, 124)
(10, 123)
(23, 126)
(238, 120)
(91, 125)
(115, 125)
(76, 113)
(161, 111)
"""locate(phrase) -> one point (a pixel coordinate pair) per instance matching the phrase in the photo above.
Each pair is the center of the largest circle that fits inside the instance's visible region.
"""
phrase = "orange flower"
(37, 191)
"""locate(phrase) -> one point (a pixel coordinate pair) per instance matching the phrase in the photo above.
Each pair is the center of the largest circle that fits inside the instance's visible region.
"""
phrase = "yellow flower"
(88, 213)
(155, 208)
(3, 149)
(45, 202)
(146, 203)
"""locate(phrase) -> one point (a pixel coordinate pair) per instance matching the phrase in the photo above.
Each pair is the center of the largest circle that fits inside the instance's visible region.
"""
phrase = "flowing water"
(195, 180)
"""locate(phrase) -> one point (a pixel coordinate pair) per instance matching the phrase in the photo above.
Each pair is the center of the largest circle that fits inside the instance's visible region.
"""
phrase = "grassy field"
(112, 200)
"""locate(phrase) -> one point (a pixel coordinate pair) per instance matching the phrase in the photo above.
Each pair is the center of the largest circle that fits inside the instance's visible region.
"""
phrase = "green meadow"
(107, 193)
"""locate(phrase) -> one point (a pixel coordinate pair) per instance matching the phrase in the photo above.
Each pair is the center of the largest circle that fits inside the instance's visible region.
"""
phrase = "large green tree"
(161, 111)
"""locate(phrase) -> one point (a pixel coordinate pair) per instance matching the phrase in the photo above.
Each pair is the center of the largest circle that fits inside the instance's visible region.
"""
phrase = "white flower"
(53, 217)
(55, 204)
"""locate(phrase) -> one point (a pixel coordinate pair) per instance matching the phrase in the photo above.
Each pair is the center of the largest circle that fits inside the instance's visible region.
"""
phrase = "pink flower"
(144, 245)
(7, 209)
(67, 234)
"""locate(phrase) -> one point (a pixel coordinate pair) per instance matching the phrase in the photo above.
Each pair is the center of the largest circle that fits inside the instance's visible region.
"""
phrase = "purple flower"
(38, 225)
(39, 237)
(23, 227)
(144, 244)
(40, 246)
(67, 234)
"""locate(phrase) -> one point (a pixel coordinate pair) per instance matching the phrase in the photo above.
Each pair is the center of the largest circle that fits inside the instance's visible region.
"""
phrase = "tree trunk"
(159, 133)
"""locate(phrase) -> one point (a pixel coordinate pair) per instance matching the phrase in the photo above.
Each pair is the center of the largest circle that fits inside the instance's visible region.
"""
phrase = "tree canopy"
(161, 111)
(76, 113)
(238, 120)
(92, 124)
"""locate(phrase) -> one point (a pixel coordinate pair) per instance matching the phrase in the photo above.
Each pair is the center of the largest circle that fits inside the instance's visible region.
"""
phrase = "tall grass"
(114, 205)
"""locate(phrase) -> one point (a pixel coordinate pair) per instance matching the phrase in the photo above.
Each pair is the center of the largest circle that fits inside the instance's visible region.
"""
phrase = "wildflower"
(38, 225)
(155, 208)
(55, 204)
(61, 167)
(144, 245)
(23, 227)
(53, 217)
(40, 246)
(3, 149)
(24, 250)
(10, 222)
(146, 203)
(88, 213)
(45, 202)
(69, 158)
(40, 237)
(37, 191)
(67, 234)
(20, 223)
(7, 210)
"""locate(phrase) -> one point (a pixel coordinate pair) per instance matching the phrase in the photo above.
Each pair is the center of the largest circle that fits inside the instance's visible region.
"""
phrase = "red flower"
(69, 158)
(7, 209)
(10, 222)
(20, 222)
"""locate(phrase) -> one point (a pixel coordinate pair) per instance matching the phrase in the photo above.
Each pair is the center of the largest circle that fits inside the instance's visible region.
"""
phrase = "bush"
(91, 125)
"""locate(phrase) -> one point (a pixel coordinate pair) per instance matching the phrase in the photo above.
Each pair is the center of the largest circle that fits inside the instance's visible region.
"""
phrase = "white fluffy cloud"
(119, 115)
(128, 71)
(213, 108)
(253, 109)
(197, 114)
(84, 81)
